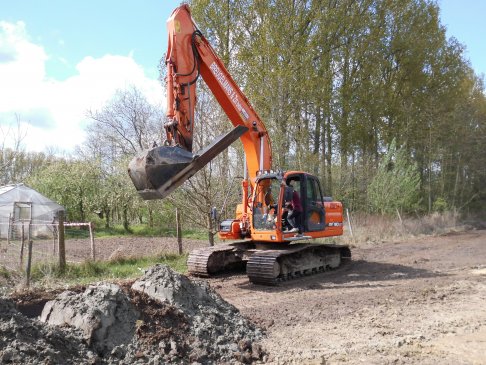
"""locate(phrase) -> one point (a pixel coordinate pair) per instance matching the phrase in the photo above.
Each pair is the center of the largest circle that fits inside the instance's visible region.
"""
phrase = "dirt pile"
(162, 318)
(26, 341)
(217, 328)
(103, 313)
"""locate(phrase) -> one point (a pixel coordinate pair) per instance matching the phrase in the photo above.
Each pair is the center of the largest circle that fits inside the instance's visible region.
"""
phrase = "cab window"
(315, 215)
(265, 204)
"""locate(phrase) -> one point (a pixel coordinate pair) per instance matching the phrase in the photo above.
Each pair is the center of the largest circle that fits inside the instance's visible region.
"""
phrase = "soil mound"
(162, 318)
(218, 329)
(26, 341)
(103, 313)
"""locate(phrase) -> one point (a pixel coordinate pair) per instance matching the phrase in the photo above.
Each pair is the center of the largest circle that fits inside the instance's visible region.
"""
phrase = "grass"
(91, 271)
(117, 268)
(4, 273)
(140, 230)
(377, 229)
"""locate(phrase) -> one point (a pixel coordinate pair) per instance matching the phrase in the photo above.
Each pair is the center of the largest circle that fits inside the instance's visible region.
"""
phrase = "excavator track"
(208, 261)
(267, 266)
(274, 266)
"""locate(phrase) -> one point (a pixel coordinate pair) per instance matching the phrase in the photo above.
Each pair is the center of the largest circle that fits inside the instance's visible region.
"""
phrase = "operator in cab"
(292, 211)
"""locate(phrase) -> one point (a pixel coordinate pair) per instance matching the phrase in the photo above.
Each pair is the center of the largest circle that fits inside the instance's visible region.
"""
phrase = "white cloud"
(54, 111)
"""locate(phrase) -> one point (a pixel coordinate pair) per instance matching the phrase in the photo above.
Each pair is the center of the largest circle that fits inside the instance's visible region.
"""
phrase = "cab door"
(314, 213)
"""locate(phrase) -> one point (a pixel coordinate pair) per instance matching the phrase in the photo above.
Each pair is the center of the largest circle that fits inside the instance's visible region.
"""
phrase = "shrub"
(396, 184)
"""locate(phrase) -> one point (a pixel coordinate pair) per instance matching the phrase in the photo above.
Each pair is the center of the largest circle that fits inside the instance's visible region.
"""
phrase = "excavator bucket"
(159, 171)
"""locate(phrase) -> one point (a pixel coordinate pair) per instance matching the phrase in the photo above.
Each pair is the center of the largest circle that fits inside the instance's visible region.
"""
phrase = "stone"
(103, 313)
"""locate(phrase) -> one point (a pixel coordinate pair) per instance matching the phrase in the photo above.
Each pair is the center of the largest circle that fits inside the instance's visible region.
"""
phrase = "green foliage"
(4, 273)
(440, 205)
(89, 271)
(335, 81)
(73, 184)
(18, 165)
(396, 184)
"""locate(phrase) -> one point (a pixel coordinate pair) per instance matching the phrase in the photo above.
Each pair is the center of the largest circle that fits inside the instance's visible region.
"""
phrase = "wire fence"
(15, 237)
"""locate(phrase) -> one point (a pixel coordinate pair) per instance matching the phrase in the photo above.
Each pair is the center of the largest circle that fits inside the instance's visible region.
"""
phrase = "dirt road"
(421, 301)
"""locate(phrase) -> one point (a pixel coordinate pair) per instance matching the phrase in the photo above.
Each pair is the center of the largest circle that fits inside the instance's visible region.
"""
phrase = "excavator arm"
(157, 172)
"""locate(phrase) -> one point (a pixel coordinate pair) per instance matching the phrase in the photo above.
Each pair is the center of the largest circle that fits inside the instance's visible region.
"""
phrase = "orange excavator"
(279, 210)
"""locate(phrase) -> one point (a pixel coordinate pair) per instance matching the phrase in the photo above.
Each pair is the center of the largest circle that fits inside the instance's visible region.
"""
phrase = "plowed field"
(420, 301)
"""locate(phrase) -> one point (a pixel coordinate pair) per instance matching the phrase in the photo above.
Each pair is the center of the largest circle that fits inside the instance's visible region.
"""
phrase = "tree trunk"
(126, 225)
(81, 208)
(150, 217)
(328, 155)
(107, 213)
(209, 222)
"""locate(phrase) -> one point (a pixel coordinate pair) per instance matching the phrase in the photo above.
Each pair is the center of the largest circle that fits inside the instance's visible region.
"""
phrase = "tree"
(124, 126)
(396, 184)
(73, 184)
(336, 82)
(212, 186)
(11, 138)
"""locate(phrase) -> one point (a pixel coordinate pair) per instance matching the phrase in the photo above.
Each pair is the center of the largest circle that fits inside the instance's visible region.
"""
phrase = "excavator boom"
(158, 171)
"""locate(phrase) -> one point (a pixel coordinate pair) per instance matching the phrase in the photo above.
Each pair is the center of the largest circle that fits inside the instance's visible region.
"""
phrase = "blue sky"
(72, 30)
(465, 20)
(59, 58)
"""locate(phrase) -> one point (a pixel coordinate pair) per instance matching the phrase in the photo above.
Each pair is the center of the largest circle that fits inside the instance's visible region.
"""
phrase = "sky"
(465, 20)
(60, 58)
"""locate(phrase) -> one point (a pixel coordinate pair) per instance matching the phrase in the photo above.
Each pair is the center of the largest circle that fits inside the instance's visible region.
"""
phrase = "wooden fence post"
(349, 223)
(179, 232)
(9, 228)
(62, 245)
(91, 240)
(54, 238)
(29, 264)
(22, 243)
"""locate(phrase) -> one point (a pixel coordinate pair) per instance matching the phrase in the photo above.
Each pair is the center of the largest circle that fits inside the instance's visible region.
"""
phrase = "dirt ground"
(421, 301)
(79, 249)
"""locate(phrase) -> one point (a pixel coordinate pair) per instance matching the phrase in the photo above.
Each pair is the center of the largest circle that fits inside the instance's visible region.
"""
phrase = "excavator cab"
(274, 198)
